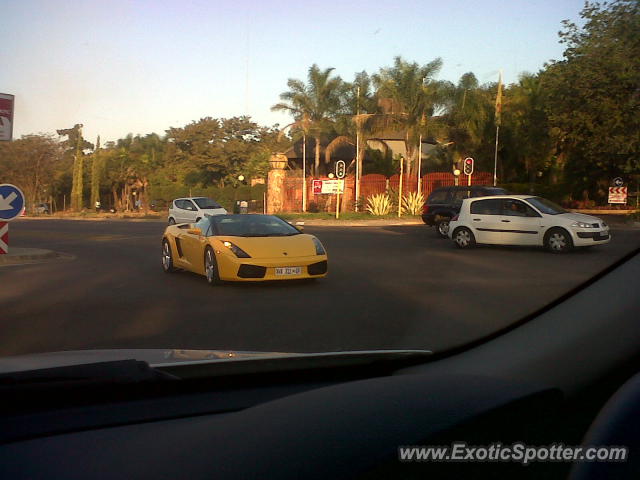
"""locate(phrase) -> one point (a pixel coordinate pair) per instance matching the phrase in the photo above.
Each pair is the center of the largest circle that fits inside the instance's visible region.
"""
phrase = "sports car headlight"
(237, 251)
(582, 225)
(319, 248)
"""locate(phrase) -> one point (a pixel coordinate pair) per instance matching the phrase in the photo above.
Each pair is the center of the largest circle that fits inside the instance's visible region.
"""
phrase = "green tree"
(96, 174)
(527, 117)
(315, 104)
(74, 147)
(594, 93)
(31, 162)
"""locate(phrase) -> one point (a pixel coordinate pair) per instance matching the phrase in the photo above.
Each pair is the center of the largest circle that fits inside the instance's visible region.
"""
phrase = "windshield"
(349, 143)
(205, 203)
(251, 226)
(546, 206)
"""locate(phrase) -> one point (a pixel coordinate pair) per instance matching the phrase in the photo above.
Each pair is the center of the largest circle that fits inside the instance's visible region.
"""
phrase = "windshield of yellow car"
(251, 226)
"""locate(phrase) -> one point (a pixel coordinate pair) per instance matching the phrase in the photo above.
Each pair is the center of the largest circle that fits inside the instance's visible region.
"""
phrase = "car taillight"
(455, 219)
(425, 208)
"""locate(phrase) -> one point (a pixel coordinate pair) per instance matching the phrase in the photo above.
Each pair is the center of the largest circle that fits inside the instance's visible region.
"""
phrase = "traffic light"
(468, 166)
(341, 169)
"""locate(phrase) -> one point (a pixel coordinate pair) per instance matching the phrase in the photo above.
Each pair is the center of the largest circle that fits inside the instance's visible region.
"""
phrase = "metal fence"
(370, 185)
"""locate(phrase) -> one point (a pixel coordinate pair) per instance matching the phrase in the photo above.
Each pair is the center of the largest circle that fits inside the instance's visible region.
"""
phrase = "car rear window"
(438, 197)
(206, 203)
(487, 207)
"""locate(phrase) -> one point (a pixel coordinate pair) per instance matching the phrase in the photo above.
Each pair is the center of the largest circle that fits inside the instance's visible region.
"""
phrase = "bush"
(379, 204)
(412, 203)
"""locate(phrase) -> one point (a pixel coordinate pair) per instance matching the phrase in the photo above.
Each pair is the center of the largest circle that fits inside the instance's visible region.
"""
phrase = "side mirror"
(194, 231)
(299, 226)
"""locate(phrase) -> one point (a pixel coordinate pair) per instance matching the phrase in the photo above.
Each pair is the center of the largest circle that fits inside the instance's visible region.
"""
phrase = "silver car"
(192, 209)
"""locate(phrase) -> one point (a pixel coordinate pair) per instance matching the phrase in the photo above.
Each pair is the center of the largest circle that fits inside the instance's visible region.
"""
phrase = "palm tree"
(315, 103)
(410, 96)
(468, 117)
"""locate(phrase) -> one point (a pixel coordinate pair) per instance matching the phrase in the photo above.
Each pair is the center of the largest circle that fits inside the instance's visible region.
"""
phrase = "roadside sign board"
(332, 186)
(328, 187)
(618, 195)
(618, 182)
(6, 117)
(11, 202)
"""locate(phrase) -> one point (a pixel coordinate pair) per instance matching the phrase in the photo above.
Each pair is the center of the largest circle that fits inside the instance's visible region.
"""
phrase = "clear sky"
(121, 66)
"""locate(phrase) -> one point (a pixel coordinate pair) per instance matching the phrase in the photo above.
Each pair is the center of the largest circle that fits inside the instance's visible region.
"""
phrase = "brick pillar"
(275, 183)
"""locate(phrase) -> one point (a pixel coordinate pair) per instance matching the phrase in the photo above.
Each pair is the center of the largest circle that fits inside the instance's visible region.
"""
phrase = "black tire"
(558, 240)
(172, 221)
(211, 267)
(167, 257)
(442, 227)
(464, 238)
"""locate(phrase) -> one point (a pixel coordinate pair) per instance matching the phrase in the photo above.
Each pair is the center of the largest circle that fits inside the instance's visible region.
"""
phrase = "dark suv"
(444, 203)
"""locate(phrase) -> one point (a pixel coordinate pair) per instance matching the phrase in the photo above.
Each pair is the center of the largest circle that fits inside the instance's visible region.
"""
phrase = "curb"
(95, 219)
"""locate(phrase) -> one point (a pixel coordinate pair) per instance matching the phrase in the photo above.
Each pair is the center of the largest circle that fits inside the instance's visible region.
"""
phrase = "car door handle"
(477, 220)
(506, 221)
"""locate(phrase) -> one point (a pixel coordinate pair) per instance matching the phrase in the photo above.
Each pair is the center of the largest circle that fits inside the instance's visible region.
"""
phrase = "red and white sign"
(6, 117)
(328, 187)
(4, 238)
(618, 195)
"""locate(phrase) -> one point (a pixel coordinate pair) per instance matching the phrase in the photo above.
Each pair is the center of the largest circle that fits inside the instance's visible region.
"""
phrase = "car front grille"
(252, 271)
(319, 268)
(593, 235)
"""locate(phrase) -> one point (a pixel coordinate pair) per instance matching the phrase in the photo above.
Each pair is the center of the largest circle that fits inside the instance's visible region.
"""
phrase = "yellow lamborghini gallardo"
(243, 248)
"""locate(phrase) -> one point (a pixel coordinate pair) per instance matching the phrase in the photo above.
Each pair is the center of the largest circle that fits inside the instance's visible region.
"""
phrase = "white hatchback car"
(193, 209)
(525, 220)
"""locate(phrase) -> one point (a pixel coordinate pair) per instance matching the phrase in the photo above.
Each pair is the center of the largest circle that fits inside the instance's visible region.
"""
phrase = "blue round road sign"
(11, 202)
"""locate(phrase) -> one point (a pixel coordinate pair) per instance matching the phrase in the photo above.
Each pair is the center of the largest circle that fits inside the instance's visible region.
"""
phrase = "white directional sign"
(11, 202)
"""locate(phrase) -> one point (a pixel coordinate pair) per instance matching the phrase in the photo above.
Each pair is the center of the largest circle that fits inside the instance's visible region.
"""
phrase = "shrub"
(379, 204)
(412, 203)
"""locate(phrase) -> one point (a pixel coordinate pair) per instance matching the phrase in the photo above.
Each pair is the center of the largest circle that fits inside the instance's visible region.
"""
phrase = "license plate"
(288, 270)
(601, 236)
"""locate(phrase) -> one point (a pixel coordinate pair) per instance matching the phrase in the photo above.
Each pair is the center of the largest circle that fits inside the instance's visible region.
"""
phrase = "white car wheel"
(463, 238)
(558, 241)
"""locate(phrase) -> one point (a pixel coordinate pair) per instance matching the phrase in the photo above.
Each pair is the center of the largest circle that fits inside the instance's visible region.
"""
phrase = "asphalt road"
(388, 287)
